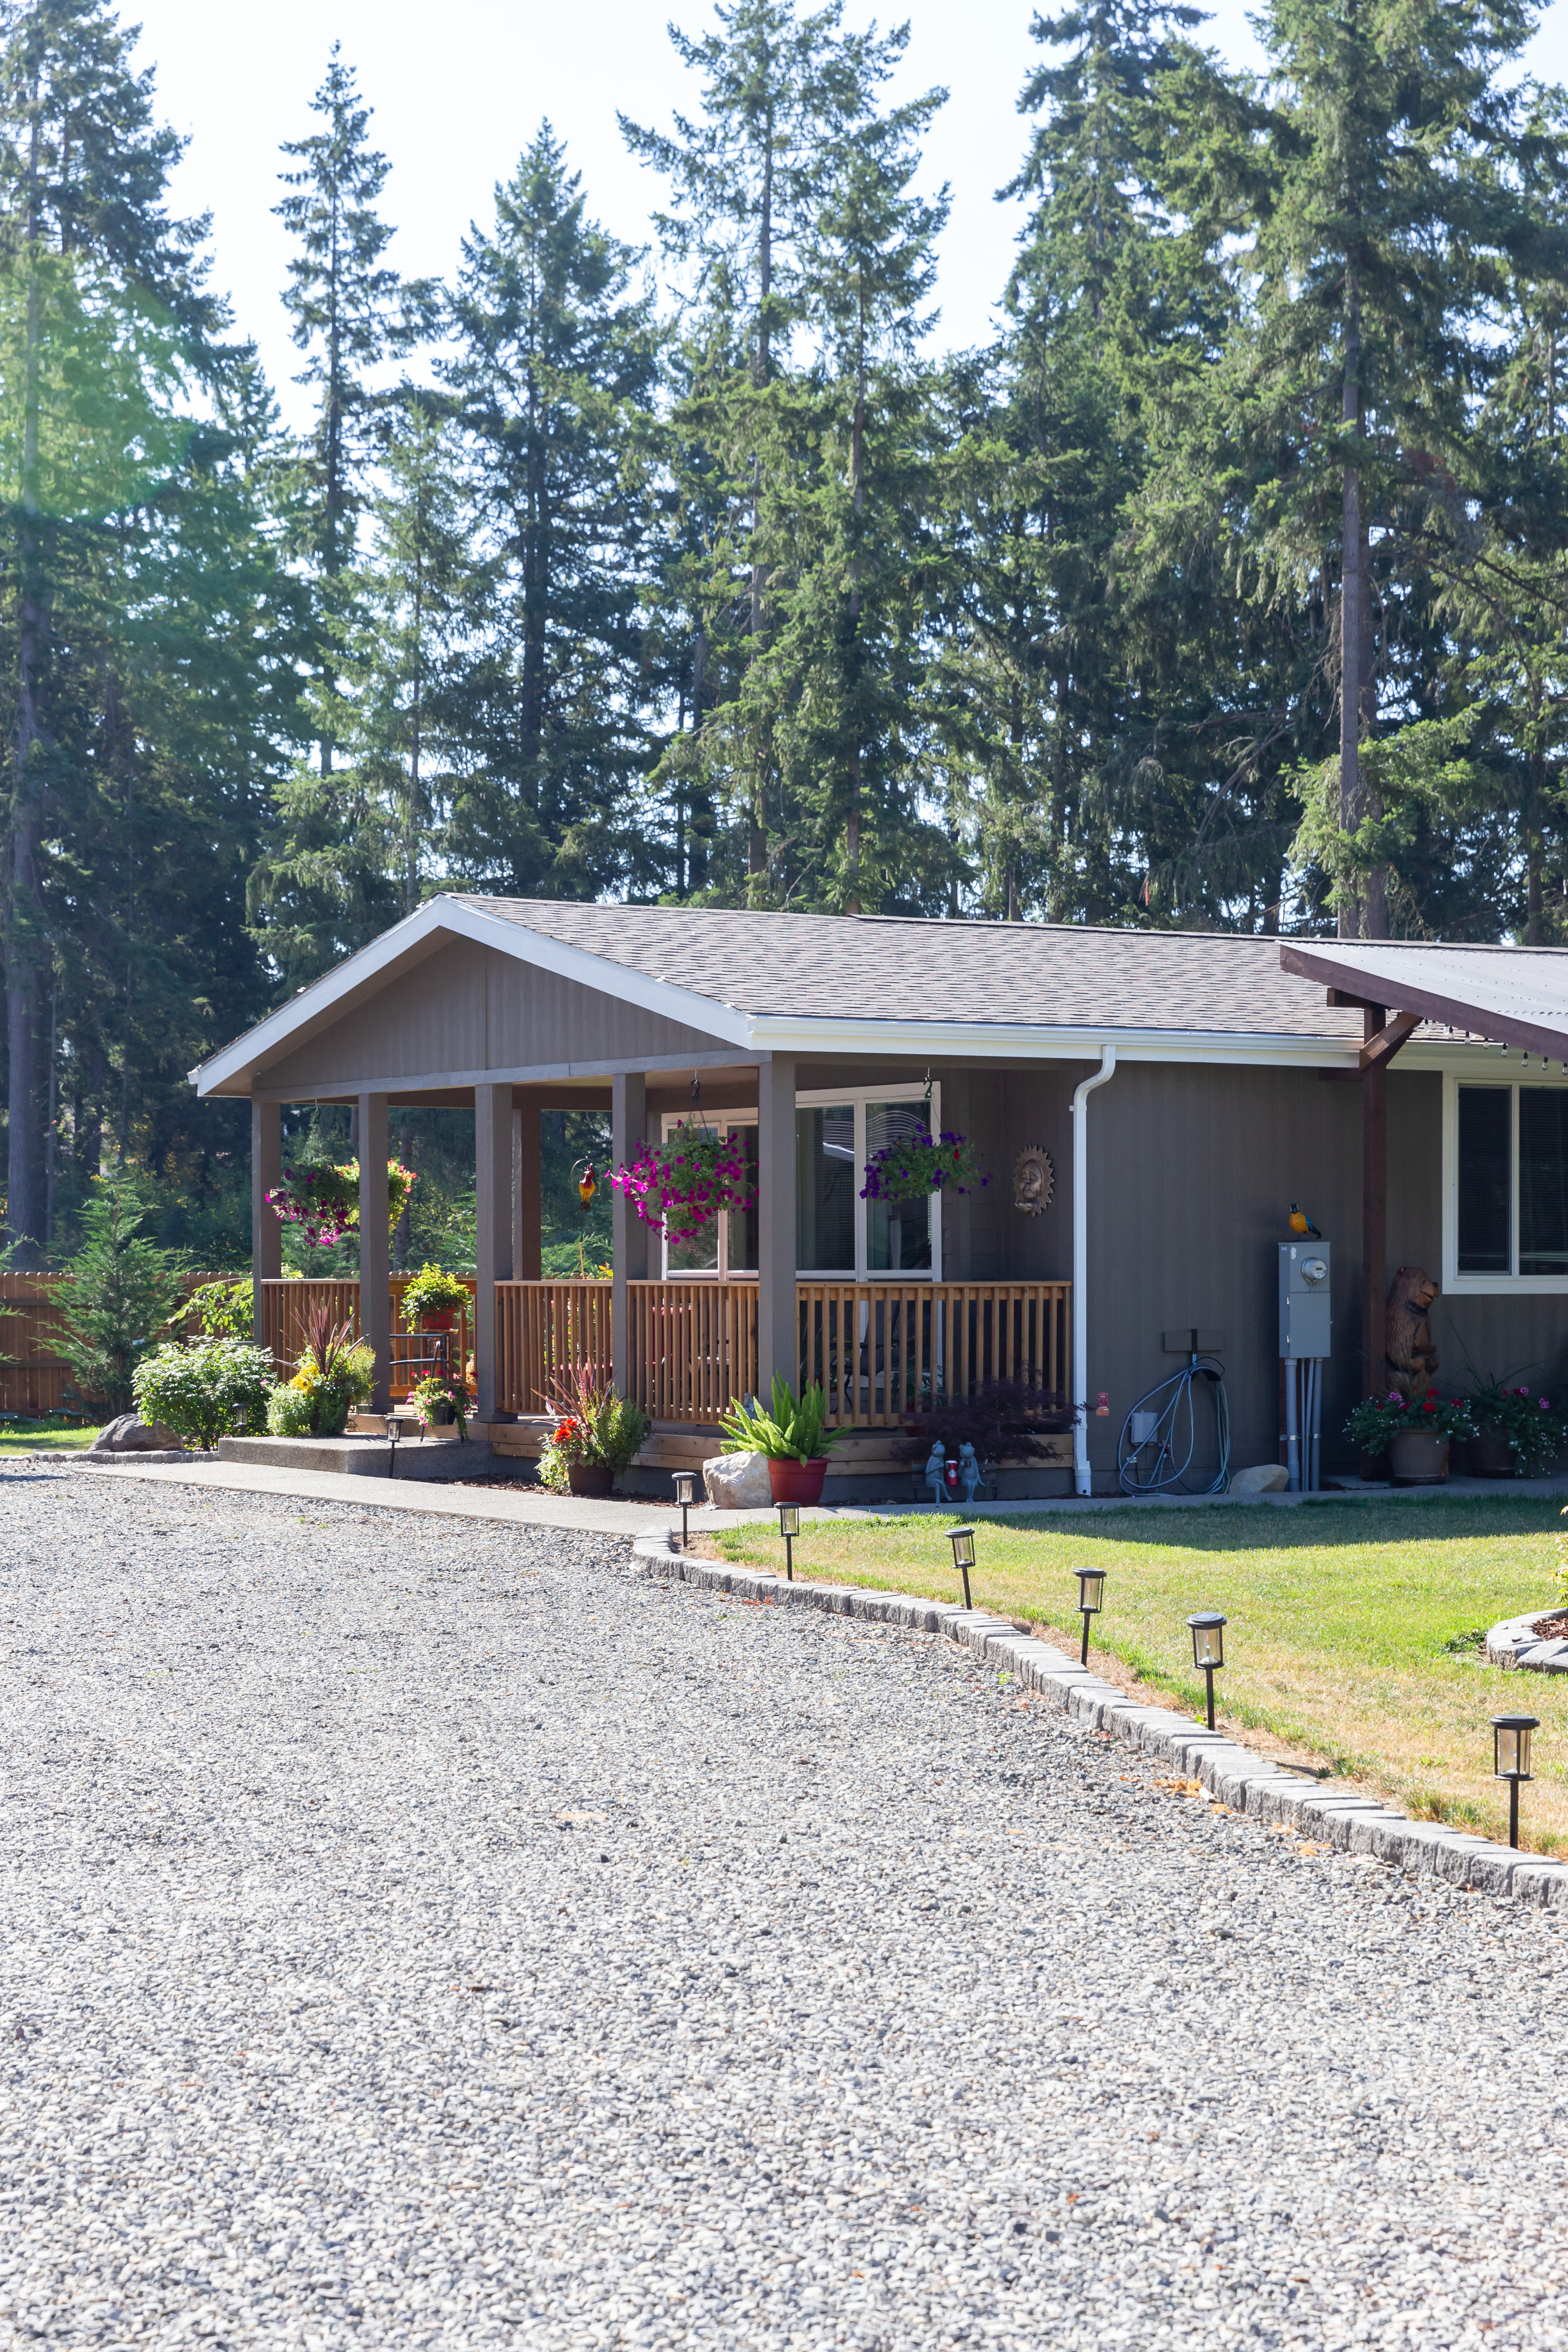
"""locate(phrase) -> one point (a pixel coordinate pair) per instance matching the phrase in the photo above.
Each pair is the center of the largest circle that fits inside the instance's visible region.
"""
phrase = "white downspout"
(1081, 1483)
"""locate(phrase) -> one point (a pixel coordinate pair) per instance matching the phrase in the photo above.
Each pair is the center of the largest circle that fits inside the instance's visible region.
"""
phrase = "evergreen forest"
(1225, 589)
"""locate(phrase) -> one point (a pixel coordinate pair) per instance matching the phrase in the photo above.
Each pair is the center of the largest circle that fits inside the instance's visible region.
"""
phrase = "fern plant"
(796, 1430)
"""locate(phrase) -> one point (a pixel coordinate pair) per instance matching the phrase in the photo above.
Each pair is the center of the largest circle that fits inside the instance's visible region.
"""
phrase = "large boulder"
(738, 1482)
(1263, 1478)
(132, 1434)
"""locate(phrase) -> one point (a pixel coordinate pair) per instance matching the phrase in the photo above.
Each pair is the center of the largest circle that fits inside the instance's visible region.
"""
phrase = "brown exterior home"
(1212, 1088)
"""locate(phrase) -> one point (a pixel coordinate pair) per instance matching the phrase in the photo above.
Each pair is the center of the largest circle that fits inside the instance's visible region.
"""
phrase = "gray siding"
(468, 1009)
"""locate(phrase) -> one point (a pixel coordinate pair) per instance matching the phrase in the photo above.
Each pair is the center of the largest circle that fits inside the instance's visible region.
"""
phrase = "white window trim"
(858, 1097)
(1489, 1286)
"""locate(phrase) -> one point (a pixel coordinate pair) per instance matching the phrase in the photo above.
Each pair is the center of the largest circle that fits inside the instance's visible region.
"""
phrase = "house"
(1146, 1106)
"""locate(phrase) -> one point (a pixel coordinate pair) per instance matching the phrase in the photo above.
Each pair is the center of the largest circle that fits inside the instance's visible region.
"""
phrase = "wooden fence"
(35, 1378)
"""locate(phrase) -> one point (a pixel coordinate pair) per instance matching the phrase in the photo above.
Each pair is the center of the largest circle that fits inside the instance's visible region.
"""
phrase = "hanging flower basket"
(922, 1164)
(681, 1185)
(323, 1200)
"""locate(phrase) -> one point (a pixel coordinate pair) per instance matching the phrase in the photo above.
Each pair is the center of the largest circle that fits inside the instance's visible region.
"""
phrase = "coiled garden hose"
(1159, 1465)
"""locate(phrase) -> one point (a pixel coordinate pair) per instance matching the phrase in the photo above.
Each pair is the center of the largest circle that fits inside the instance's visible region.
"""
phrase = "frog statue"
(970, 1477)
(935, 1471)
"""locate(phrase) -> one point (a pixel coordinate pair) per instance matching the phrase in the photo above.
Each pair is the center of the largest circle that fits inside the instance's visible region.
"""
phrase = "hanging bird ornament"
(1300, 1223)
(587, 1183)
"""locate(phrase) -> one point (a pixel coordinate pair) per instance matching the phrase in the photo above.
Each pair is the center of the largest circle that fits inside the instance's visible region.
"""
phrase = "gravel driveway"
(419, 1933)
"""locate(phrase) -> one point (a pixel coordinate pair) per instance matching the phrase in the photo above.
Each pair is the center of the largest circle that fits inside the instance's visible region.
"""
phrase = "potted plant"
(433, 1299)
(1517, 1432)
(324, 1199)
(679, 1186)
(439, 1399)
(793, 1439)
(335, 1373)
(1415, 1432)
(597, 1435)
(919, 1164)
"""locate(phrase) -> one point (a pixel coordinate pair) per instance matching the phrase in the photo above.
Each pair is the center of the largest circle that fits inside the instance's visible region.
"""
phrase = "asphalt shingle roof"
(895, 968)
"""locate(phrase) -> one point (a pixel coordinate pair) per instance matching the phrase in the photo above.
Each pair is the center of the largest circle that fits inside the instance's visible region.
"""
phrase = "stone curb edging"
(1516, 1642)
(151, 1453)
(1246, 1782)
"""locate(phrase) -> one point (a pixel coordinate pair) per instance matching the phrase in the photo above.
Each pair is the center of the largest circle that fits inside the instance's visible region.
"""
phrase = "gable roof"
(760, 982)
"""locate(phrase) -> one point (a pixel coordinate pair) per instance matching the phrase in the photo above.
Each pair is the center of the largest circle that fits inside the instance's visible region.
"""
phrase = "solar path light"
(1510, 1759)
(963, 1542)
(1208, 1648)
(684, 1486)
(1090, 1602)
(394, 1432)
(789, 1527)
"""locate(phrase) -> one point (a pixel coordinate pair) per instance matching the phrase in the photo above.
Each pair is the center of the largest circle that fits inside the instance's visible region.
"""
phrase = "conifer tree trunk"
(23, 911)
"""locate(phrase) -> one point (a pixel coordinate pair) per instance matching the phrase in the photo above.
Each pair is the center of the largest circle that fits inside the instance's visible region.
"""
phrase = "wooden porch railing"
(882, 1350)
(542, 1330)
(288, 1305)
(693, 1346)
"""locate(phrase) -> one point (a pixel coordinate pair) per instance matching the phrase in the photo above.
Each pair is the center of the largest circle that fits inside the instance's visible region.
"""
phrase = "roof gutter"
(1082, 1482)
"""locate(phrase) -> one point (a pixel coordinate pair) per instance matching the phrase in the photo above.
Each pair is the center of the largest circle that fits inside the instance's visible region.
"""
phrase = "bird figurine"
(1300, 1223)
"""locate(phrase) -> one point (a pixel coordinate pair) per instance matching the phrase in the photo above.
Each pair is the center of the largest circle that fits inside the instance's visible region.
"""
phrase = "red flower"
(1430, 1405)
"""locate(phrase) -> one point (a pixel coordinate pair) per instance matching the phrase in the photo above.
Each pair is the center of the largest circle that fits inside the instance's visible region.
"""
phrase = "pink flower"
(1394, 1396)
(1544, 1403)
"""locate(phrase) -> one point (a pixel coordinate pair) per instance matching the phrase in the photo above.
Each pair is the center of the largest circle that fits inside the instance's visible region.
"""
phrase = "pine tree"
(348, 313)
(85, 236)
(551, 388)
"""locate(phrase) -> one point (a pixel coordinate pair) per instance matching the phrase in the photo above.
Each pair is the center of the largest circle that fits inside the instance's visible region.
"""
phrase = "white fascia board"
(1016, 1041)
(443, 914)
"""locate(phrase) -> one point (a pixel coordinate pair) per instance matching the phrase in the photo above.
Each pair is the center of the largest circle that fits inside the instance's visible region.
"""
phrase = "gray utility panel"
(1304, 1284)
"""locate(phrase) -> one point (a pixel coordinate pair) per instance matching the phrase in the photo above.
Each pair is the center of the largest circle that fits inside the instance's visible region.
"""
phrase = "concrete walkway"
(532, 1506)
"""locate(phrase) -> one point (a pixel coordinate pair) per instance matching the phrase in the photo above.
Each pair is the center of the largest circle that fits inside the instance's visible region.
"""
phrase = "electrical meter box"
(1304, 1285)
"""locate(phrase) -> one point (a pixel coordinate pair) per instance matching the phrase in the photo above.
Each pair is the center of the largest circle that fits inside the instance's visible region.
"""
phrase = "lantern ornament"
(963, 1542)
(789, 1527)
(685, 1487)
(1090, 1602)
(1510, 1759)
(1207, 1628)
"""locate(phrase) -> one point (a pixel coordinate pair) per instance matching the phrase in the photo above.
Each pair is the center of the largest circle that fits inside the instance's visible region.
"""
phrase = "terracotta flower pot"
(447, 1321)
(590, 1477)
(1417, 1457)
(797, 1482)
(1489, 1455)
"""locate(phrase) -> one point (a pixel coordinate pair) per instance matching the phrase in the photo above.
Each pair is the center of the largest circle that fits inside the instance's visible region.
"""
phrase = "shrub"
(291, 1412)
(124, 1293)
(203, 1390)
(226, 1310)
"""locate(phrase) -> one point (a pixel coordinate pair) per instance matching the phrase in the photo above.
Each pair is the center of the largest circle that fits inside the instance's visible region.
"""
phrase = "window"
(1506, 1201)
(837, 1232)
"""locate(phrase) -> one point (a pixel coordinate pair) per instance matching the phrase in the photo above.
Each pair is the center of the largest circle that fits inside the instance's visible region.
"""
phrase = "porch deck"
(884, 1351)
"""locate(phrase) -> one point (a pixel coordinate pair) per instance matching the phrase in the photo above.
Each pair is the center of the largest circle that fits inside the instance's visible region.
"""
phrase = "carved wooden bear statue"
(1412, 1364)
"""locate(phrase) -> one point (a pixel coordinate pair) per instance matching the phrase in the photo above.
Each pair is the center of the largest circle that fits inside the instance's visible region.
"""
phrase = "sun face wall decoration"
(1034, 1181)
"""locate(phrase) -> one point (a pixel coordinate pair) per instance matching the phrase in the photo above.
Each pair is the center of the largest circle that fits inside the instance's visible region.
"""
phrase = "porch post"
(528, 1196)
(1373, 1210)
(629, 1132)
(778, 1320)
(493, 1209)
(374, 1246)
(265, 1233)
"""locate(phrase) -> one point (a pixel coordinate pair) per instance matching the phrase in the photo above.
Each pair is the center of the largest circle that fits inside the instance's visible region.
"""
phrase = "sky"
(459, 87)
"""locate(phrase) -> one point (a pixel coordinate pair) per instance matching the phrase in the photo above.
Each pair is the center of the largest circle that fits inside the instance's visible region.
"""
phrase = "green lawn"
(31, 1436)
(1351, 1638)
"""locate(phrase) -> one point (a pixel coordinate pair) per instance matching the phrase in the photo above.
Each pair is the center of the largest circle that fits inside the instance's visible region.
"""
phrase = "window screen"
(1542, 1180)
(1486, 1123)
